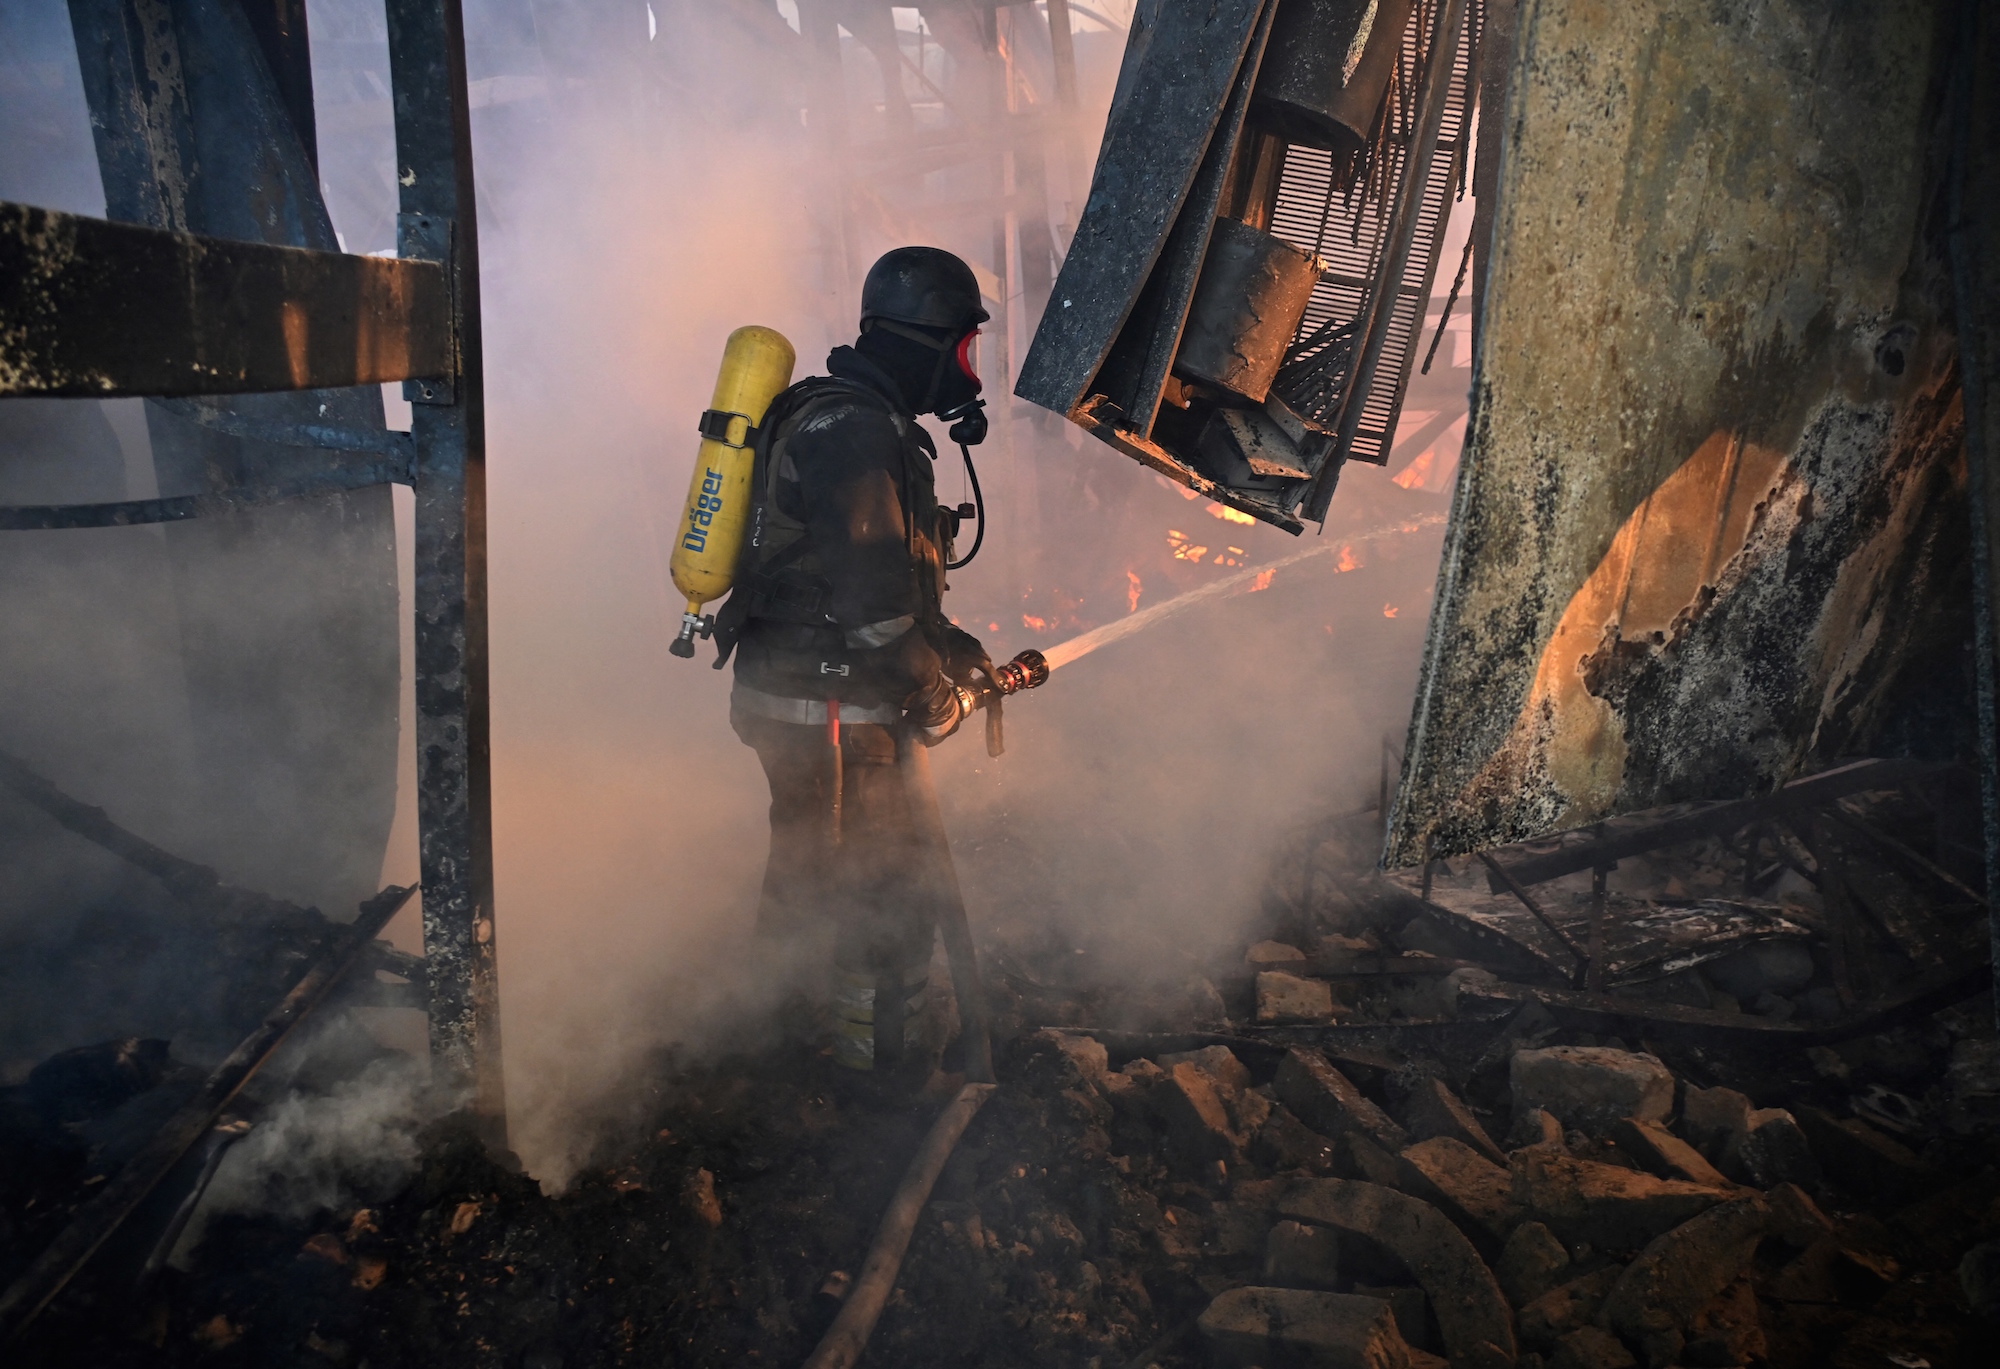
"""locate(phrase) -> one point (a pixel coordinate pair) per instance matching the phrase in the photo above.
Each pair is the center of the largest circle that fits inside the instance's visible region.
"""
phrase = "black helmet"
(925, 286)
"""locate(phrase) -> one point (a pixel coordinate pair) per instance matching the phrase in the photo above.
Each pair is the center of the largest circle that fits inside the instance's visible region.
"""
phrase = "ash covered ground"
(1313, 1149)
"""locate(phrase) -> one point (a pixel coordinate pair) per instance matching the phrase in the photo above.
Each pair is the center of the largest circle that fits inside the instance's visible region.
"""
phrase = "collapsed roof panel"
(1241, 305)
(1712, 494)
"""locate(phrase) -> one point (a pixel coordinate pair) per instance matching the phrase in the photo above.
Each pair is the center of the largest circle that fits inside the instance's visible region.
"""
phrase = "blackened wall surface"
(1713, 492)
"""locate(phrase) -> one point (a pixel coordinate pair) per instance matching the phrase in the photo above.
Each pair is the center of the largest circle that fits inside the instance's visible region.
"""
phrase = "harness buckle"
(828, 668)
(716, 424)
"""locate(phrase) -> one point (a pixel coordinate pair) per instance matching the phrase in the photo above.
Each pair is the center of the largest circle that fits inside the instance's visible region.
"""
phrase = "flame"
(1033, 623)
(1416, 475)
(1263, 580)
(1229, 515)
(1132, 590)
(1189, 551)
(1388, 610)
(993, 627)
(1348, 560)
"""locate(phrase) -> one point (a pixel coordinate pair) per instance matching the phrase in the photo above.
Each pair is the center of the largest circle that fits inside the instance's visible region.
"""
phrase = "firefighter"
(846, 665)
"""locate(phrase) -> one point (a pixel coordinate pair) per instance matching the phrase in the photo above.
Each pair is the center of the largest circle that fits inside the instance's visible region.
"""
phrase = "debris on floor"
(1732, 1102)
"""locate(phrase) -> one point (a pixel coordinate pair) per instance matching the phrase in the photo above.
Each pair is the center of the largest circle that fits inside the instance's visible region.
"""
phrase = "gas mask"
(957, 391)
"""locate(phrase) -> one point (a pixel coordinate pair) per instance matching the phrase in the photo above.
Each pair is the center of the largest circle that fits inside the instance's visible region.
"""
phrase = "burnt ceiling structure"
(1244, 299)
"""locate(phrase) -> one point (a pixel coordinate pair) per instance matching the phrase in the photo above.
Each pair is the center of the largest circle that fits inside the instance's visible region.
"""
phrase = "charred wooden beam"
(1611, 841)
(94, 308)
(185, 879)
(96, 1220)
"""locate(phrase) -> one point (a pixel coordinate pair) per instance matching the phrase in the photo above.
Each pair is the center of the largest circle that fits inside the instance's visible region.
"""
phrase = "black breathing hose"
(979, 511)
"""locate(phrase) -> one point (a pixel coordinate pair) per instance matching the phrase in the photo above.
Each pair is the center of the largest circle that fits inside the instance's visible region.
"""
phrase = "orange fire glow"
(1132, 591)
(1034, 624)
(1348, 560)
(993, 627)
(1263, 580)
(1229, 515)
(1388, 610)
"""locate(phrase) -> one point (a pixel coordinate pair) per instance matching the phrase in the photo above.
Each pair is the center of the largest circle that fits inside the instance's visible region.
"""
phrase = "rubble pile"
(1407, 1121)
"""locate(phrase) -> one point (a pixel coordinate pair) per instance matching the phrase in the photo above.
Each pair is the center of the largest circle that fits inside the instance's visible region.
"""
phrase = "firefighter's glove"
(965, 660)
(936, 710)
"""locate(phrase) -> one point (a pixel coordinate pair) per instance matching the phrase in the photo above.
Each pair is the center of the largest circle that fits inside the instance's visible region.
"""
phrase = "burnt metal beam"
(1917, 998)
(100, 309)
(97, 1219)
(454, 761)
(1171, 90)
(180, 508)
(1586, 849)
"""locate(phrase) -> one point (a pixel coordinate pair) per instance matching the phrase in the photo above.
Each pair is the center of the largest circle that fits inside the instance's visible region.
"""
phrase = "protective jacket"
(840, 590)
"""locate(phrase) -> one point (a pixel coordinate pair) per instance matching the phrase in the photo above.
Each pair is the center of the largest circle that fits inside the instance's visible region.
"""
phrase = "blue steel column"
(454, 771)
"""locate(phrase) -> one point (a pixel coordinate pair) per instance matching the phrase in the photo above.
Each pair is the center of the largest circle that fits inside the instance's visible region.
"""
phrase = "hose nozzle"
(1025, 671)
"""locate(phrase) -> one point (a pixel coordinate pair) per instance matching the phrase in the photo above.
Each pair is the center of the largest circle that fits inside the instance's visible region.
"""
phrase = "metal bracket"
(428, 237)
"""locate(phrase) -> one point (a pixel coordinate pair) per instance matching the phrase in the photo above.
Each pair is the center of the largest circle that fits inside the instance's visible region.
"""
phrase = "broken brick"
(1285, 1143)
(1257, 1326)
(1219, 1063)
(1432, 1109)
(1472, 1316)
(1564, 1308)
(1709, 1117)
(1654, 1303)
(1327, 1100)
(1285, 997)
(1463, 1184)
(1795, 1217)
(1609, 1207)
(1770, 1149)
(1531, 1263)
(1198, 1131)
(1660, 1152)
(1590, 1088)
(1589, 1348)
(1302, 1256)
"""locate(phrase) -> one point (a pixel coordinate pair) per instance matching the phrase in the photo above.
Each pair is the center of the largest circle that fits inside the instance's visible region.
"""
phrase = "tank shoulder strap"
(761, 579)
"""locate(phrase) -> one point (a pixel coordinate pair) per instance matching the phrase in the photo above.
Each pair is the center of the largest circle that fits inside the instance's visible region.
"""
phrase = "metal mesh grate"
(1347, 226)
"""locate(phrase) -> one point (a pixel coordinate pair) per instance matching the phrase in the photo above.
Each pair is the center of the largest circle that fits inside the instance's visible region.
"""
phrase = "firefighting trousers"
(879, 884)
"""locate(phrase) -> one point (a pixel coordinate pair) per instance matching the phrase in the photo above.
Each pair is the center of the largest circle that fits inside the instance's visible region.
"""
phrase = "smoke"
(656, 195)
(313, 1153)
(639, 197)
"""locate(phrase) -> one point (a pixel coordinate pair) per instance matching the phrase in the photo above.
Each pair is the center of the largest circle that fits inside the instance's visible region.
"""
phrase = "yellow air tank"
(756, 367)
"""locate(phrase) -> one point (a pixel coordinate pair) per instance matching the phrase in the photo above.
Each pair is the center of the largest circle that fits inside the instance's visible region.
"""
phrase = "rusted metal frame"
(1600, 928)
(1583, 958)
(1908, 855)
(1798, 796)
(1913, 1000)
(97, 1219)
(91, 308)
(1439, 71)
(453, 737)
(136, 512)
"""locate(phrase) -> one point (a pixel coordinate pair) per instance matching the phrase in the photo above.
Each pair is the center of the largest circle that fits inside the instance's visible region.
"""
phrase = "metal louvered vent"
(1241, 305)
